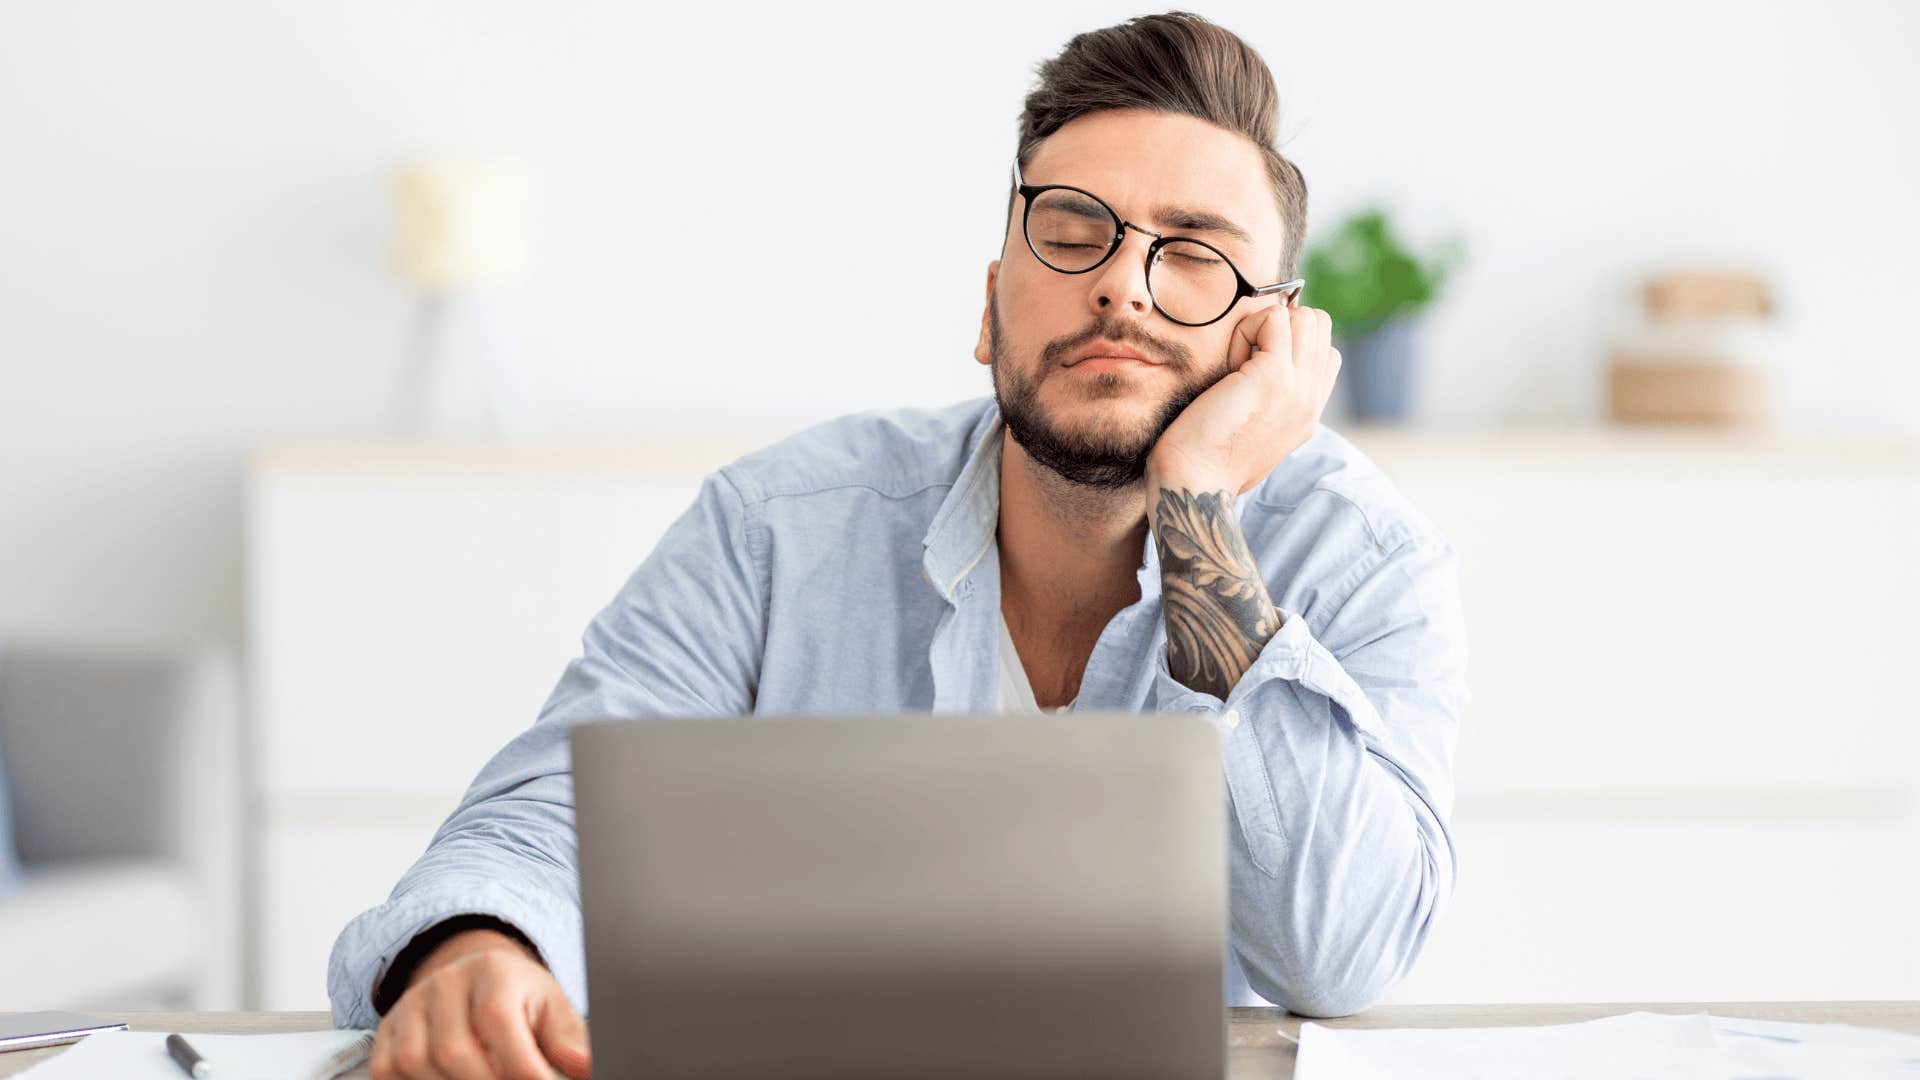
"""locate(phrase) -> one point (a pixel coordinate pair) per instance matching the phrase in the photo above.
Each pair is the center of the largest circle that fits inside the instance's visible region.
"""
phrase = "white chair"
(123, 764)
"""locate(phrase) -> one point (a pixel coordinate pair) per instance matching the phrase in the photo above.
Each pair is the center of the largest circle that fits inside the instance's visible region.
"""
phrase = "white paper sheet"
(138, 1055)
(1770, 1048)
(1633, 1046)
(1630, 1046)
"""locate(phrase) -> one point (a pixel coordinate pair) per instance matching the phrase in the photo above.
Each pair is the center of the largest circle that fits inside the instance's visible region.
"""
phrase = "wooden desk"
(1257, 1050)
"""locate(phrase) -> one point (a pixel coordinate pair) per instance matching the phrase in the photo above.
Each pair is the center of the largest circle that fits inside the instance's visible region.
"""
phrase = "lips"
(1111, 350)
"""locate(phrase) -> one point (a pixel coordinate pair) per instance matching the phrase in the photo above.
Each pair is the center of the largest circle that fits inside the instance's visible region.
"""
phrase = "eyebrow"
(1194, 219)
(1177, 218)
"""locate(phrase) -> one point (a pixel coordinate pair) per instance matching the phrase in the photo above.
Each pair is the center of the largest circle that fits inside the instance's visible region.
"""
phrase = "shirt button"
(1232, 719)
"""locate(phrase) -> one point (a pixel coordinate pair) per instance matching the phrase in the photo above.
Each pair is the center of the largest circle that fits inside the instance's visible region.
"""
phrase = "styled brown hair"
(1177, 62)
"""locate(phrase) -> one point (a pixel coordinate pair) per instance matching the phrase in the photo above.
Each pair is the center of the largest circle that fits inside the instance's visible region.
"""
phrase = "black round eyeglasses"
(1191, 282)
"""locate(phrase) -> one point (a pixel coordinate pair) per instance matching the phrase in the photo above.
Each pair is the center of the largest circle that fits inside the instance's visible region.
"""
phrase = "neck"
(1066, 549)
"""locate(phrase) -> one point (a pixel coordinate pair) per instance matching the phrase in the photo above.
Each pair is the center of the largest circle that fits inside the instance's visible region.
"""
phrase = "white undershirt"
(1016, 693)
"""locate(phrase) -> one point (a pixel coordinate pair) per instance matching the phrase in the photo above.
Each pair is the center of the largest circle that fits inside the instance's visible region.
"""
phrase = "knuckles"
(494, 1011)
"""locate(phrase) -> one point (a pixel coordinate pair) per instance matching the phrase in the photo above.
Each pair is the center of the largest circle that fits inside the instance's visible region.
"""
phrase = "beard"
(1107, 460)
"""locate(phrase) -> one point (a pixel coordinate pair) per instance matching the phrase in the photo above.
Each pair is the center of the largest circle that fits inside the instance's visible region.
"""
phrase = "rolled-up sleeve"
(1338, 750)
(682, 638)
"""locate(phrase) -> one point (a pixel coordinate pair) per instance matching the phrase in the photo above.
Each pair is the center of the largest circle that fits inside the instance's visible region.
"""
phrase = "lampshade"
(459, 224)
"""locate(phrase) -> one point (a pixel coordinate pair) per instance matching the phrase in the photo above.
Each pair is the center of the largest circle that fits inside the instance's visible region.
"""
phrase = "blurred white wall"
(194, 220)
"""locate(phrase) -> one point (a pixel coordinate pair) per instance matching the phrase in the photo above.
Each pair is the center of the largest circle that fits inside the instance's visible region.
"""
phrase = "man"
(1148, 515)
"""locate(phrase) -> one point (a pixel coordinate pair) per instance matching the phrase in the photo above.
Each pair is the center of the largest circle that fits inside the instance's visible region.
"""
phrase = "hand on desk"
(480, 1007)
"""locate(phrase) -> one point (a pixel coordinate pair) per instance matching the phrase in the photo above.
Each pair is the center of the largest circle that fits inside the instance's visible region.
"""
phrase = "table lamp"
(460, 236)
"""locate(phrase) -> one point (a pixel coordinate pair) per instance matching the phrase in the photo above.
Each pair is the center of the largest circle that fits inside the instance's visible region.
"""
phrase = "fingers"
(1315, 361)
(1266, 330)
(503, 1019)
(1297, 338)
(1312, 336)
(1332, 375)
(1241, 345)
(562, 1034)
(426, 1036)
(453, 1048)
(388, 1040)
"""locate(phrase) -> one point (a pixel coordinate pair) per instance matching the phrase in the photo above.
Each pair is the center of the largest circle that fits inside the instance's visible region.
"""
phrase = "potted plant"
(1375, 291)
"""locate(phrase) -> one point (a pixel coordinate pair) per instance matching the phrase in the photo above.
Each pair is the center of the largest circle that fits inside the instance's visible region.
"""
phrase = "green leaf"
(1363, 276)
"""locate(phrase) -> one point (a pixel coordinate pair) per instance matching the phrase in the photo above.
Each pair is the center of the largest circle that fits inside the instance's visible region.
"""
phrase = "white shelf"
(1625, 443)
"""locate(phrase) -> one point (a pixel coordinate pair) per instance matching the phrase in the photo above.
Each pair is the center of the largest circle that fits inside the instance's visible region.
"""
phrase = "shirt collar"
(963, 527)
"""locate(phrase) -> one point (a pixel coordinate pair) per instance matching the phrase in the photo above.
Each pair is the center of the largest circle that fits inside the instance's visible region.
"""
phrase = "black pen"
(187, 1056)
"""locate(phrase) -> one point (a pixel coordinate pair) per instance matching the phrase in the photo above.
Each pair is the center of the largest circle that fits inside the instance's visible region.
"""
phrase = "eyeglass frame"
(1244, 288)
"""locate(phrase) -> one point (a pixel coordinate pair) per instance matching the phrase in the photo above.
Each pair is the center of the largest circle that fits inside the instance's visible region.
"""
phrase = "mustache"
(1174, 356)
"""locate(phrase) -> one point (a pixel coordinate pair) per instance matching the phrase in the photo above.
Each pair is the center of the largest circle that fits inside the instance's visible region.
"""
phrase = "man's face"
(1094, 421)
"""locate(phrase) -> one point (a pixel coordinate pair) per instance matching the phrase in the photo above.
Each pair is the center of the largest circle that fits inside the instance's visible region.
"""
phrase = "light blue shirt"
(853, 568)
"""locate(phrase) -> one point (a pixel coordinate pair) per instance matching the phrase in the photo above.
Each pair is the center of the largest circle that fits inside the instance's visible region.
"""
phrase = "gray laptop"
(909, 896)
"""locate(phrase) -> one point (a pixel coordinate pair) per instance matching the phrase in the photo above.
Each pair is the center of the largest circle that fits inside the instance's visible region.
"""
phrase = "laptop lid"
(908, 896)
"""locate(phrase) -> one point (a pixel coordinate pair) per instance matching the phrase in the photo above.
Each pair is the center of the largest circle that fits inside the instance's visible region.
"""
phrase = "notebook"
(140, 1055)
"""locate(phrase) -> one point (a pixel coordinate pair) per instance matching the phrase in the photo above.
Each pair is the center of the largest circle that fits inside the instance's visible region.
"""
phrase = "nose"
(1122, 280)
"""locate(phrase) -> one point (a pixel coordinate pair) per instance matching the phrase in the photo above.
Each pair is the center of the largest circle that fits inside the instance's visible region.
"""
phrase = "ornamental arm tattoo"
(1218, 613)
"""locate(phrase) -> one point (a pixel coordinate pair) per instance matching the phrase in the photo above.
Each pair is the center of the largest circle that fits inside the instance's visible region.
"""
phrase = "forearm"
(507, 852)
(681, 638)
(1338, 748)
(1333, 906)
(1217, 610)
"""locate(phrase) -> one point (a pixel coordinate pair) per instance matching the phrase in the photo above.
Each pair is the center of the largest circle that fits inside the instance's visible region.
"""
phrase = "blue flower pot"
(1378, 370)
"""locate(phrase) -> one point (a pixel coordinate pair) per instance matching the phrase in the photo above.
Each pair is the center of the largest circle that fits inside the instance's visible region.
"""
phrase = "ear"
(983, 349)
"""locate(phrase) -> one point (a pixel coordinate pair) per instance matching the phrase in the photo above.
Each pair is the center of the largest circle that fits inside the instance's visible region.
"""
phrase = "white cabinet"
(1686, 773)
(410, 608)
(1688, 769)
